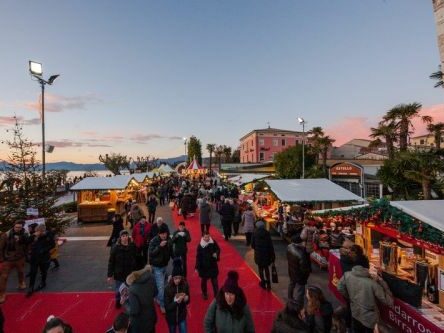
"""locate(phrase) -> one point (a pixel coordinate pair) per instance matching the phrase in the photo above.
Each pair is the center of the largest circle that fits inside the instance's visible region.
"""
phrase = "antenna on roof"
(268, 123)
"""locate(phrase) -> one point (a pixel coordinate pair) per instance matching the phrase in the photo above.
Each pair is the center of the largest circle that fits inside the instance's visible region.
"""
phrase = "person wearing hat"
(160, 252)
(177, 297)
(122, 261)
(229, 312)
(180, 239)
(264, 254)
(299, 268)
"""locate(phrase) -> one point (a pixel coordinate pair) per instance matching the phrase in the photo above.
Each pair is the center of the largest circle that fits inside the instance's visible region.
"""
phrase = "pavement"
(84, 258)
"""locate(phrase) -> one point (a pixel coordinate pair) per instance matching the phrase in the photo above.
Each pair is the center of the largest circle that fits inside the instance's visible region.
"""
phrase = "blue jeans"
(159, 276)
(182, 326)
(118, 284)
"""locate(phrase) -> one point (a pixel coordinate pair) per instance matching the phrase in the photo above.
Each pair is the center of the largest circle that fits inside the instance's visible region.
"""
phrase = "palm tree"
(314, 137)
(387, 131)
(211, 147)
(325, 143)
(227, 153)
(438, 77)
(436, 130)
(219, 151)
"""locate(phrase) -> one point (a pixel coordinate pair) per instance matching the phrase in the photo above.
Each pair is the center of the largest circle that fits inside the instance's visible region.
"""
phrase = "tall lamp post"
(36, 71)
(302, 122)
(185, 147)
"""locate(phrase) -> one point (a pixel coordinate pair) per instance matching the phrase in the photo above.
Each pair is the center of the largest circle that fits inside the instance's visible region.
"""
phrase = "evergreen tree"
(194, 149)
(288, 163)
(23, 186)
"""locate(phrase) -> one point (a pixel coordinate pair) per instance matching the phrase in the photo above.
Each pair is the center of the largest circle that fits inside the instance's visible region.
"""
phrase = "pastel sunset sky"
(137, 76)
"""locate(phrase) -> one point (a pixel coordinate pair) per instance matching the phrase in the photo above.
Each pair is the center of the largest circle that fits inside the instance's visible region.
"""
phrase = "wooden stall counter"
(93, 211)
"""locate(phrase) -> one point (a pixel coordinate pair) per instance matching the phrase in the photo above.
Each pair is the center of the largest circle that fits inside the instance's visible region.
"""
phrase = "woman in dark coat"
(117, 228)
(263, 253)
(208, 254)
(142, 290)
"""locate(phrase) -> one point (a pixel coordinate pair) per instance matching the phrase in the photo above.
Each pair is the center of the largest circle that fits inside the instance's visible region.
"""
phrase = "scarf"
(205, 244)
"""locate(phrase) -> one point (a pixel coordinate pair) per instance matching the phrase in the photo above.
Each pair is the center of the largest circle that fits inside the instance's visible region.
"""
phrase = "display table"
(429, 318)
(93, 211)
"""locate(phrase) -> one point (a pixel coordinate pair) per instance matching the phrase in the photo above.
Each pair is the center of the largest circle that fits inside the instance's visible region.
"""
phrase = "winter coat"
(321, 321)
(151, 204)
(142, 290)
(307, 235)
(336, 240)
(299, 265)
(141, 234)
(135, 213)
(205, 213)
(155, 230)
(186, 204)
(13, 246)
(263, 248)
(362, 291)
(206, 264)
(122, 261)
(248, 220)
(160, 255)
(285, 323)
(222, 321)
(176, 312)
(40, 248)
(226, 213)
(115, 234)
(180, 242)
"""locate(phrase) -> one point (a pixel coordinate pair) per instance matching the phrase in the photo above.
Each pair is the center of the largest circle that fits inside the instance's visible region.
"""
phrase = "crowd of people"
(142, 248)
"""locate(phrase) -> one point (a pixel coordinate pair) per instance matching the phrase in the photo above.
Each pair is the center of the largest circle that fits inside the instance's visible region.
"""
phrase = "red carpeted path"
(263, 304)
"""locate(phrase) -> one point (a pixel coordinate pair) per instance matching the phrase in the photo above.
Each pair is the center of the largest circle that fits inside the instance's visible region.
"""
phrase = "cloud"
(70, 143)
(349, 128)
(58, 103)
(143, 138)
(435, 111)
(10, 121)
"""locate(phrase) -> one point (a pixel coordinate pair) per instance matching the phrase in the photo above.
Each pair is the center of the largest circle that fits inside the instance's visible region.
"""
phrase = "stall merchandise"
(404, 240)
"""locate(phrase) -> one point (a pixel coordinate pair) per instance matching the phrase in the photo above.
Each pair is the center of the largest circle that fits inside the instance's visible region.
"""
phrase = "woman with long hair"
(318, 311)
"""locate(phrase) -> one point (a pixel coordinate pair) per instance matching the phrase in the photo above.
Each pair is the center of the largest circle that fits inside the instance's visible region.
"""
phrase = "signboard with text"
(345, 169)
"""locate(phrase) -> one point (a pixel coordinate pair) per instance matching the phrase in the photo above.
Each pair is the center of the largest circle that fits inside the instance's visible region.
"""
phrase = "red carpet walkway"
(263, 304)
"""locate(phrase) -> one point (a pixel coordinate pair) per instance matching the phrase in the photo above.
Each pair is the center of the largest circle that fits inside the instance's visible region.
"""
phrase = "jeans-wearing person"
(204, 228)
(182, 327)
(299, 291)
(159, 276)
(117, 287)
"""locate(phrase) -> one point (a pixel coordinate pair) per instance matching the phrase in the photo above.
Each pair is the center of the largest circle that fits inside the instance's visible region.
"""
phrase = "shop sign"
(345, 169)
(29, 222)
(407, 319)
(32, 211)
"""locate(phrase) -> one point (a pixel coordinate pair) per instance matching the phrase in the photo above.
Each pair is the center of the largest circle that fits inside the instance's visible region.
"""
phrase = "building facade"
(262, 144)
(425, 141)
(438, 8)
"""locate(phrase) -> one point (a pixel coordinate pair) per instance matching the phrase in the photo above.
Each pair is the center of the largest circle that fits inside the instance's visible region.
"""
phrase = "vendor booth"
(404, 241)
(101, 197)
(246, 182)
(194, 170)
(299, 195)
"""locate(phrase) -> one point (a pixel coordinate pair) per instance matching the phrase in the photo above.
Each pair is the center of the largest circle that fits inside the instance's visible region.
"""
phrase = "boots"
(268, 285)
(262, 284)
(30, 292)
(22, 286)
(41, 286)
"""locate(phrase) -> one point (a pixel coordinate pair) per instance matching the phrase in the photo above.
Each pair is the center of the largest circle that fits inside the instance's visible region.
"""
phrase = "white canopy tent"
(246, 178)
(118, 182)
(430, 212)
(140, 177)
(310, 190)
(165, 168)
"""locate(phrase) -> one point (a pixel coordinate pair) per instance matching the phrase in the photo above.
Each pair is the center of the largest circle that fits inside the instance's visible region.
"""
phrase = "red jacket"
(141, 232)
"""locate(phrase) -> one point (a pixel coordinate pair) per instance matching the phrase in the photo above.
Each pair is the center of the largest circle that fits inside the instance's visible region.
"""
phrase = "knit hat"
(231, 283)
(296, 239)
(177, 267)
(163, 228)
(260, 224)
(123, 232)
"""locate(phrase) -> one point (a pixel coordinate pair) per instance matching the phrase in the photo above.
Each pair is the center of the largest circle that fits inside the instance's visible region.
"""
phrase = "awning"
(246, 178)
(119, 182)
(430, 212)
(310, 190)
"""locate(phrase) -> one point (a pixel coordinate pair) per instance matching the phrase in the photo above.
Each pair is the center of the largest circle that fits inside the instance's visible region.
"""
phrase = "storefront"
(246, 183)
(100, 197)
(404, 240)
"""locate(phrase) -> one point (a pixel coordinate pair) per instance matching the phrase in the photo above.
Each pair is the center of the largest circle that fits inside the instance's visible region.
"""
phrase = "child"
(180, 239)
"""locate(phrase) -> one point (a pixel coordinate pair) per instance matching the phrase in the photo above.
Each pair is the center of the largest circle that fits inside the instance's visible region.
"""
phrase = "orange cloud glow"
(349, 128)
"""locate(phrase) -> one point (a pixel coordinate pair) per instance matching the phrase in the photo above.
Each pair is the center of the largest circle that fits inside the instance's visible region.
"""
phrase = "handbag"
(274, 274)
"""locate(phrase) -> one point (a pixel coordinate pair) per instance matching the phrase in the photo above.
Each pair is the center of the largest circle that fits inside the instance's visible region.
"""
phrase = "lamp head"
(184, 139)
(35, 68)
(301, 120)
(52, 78)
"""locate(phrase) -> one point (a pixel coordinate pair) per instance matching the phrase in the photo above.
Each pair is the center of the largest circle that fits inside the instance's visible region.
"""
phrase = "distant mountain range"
(71, 166)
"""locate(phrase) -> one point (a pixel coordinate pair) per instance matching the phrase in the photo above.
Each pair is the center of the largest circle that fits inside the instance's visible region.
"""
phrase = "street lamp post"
(302, 122)
(36, 71)
(185, 147)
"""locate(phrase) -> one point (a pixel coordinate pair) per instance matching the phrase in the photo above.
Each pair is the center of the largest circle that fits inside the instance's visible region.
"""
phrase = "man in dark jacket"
(160, 251)
(13, 248)
(264, 254)
(227, 216)
(156, 226)
(180, 239)
(152, 206)
(205, 217)
(299, 268)
(41, 244)
(122, 261)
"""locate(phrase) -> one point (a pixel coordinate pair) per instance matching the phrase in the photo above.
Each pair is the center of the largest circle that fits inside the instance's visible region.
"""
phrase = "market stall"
(100, 197)
(299, 195)
(194, 170)
(404, 240)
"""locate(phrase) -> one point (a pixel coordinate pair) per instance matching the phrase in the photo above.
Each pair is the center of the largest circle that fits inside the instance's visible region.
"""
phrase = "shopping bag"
(171, 204)
(274, 274)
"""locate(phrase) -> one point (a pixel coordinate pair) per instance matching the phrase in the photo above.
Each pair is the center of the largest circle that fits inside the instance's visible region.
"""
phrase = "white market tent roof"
(310, 190)
(194, 165)
(140, 177)
(246, 178)
(165, 168)
(118, 182)
(430, 212)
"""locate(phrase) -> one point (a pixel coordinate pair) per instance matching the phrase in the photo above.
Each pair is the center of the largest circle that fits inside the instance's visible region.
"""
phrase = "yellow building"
(427, 140)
